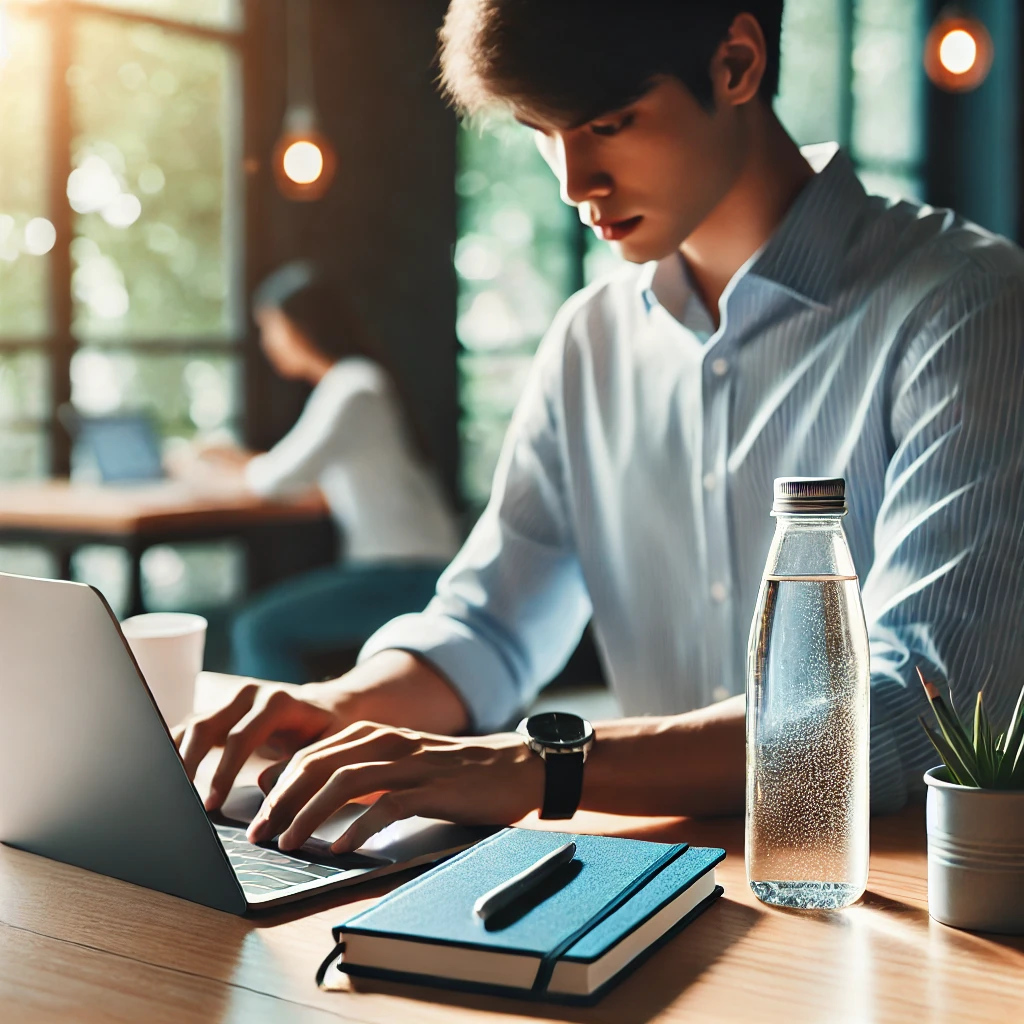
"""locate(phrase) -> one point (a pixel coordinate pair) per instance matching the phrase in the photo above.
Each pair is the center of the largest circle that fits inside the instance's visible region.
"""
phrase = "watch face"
(558, 728)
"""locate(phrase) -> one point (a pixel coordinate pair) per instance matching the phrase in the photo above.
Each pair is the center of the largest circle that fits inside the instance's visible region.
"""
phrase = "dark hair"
(577, 59)
(304, 294)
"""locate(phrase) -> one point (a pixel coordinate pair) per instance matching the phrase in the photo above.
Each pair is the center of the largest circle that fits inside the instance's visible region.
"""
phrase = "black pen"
(508, 892)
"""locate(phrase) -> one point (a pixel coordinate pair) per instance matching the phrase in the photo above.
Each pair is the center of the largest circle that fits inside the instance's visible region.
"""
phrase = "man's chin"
(645, 251)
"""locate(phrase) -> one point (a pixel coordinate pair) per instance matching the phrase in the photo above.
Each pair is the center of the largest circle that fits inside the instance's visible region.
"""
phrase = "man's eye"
(606, 128)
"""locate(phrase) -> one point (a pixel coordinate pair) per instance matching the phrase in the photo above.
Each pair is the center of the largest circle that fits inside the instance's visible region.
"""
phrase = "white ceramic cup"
(169, 649)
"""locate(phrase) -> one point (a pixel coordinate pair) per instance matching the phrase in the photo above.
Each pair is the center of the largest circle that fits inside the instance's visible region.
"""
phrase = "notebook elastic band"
(547, 964)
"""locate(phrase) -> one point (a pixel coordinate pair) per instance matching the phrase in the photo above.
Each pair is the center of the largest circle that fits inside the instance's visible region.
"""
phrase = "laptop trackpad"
(399, 842)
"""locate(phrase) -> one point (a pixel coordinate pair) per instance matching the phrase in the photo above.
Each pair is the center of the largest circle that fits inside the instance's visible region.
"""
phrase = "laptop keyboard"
(262, 870)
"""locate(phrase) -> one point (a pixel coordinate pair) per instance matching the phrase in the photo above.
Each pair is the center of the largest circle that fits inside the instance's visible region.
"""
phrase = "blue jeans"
(325, 610)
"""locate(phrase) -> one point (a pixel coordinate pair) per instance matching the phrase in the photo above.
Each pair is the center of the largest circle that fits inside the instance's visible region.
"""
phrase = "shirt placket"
(717, 373)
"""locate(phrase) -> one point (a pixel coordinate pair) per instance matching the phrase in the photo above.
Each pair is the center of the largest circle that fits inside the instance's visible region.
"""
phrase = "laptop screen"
(126, 447)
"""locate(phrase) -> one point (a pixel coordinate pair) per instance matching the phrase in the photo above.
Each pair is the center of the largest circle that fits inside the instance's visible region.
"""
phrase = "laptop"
(93, 777)
(125, 446)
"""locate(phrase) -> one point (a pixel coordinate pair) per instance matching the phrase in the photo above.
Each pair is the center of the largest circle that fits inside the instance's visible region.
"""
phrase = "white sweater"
(350, 439)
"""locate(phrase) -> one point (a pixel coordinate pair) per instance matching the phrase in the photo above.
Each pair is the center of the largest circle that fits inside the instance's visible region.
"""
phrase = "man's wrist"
(397, 688)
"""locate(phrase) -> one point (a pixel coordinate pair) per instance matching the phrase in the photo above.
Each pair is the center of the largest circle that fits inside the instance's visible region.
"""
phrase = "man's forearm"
(675, 765)
(396, 688)
(693, 763)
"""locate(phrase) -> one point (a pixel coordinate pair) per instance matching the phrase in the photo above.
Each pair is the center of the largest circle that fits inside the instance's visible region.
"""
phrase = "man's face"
(646, 176)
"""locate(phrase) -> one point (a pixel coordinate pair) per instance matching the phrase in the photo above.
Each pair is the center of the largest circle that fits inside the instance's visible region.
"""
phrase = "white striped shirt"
(873, 340)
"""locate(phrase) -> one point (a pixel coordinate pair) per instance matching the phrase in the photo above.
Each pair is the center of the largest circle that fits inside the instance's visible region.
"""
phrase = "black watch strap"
(563, 785)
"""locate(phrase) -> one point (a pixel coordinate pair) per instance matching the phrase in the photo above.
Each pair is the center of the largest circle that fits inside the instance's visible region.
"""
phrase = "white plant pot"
(975, 855)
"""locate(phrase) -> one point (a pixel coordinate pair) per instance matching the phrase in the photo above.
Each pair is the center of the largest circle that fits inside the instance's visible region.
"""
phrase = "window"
(851, 72)
(120, 236)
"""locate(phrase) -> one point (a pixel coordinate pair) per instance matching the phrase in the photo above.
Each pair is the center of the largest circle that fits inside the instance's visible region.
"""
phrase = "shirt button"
(720, 367)
(720, 693)
(709, 481)
(718, 591)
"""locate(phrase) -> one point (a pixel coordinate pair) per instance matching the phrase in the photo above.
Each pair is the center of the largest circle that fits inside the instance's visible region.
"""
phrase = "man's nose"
(582, 178)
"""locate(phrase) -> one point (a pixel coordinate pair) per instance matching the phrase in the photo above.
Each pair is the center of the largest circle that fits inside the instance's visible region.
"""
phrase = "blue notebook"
(570, 940)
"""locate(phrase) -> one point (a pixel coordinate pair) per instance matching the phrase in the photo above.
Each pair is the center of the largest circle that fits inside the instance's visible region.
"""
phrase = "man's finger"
(391, 807)
(344, 785)
(300, 780)
(201, 735)
(267, 715)
(268, 777)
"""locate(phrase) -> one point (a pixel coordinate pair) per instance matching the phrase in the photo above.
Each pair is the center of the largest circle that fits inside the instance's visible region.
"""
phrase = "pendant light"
(303, 157)
(958, 51)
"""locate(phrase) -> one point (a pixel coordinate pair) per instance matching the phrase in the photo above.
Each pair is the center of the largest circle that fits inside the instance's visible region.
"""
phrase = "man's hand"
(482, 780)
(270, 718)
(261, 716)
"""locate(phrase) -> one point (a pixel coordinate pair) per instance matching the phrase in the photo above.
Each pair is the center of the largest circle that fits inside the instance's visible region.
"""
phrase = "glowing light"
(303, 162)
(9, 250)
(92, 186)
(958, 51)
(40, 236)
(122, 211)
(151, 179)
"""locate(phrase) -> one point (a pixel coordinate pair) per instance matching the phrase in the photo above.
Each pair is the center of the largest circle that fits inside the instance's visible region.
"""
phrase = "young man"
(775, 321)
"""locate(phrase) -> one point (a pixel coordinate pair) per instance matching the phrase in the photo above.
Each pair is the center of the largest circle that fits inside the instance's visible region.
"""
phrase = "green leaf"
(957, 738)
(949, 756)
(1015, 730)
(977, 740)
(1017, 777)
(983, 746)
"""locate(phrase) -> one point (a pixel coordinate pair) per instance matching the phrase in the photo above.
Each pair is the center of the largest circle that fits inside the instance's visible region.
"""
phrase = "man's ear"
(739, 62)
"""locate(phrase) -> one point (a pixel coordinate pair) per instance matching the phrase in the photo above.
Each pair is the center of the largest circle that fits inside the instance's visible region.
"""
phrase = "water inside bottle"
(807, 749)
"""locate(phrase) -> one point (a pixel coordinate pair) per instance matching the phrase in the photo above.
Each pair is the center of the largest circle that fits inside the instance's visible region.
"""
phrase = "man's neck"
(771, 178)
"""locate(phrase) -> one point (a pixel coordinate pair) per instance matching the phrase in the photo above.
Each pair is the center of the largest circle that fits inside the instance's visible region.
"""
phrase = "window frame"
(59, 343)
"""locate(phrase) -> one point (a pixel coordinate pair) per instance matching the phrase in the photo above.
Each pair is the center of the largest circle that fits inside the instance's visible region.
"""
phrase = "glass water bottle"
(807, 709)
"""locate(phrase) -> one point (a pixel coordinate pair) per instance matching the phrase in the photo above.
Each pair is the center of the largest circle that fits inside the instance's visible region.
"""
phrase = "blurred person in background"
(356, 442)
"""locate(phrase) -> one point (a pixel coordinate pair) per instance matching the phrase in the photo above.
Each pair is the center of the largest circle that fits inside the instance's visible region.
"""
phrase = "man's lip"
(615, 230)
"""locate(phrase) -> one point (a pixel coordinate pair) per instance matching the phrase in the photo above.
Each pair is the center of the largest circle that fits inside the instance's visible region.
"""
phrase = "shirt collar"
(806, 252)
(803, 256)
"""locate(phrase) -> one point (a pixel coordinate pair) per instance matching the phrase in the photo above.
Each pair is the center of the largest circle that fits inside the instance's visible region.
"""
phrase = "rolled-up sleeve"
(511, 607)
(945, 591)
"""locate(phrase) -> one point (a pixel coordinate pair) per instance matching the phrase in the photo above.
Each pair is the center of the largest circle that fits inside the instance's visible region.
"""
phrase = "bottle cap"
(810, 495)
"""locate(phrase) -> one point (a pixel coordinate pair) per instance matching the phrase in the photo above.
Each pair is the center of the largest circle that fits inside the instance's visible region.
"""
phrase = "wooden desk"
(63, 516)
(79, 947)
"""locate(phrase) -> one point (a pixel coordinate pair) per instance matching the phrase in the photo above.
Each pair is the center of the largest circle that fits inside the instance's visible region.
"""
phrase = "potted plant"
(975, 815)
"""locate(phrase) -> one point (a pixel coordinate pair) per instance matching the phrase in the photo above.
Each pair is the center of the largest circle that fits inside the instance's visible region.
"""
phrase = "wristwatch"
(563, 741)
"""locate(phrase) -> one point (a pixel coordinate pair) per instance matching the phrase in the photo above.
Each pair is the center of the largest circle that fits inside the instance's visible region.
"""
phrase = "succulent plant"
(971, 756)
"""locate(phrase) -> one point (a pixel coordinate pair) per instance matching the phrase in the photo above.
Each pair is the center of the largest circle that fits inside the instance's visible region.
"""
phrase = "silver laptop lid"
(91, 776)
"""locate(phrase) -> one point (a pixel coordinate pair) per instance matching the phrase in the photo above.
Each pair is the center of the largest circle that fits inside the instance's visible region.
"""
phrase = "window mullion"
(62, 343)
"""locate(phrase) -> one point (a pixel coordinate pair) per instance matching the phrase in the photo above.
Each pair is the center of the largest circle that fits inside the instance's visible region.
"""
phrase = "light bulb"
(958, 51)
(303, 162)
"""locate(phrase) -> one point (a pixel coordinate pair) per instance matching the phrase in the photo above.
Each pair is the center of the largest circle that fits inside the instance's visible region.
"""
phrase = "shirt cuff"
(473, 667)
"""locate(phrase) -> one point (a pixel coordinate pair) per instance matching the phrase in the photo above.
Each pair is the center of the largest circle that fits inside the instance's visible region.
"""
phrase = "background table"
(280, 537)
(75, 946)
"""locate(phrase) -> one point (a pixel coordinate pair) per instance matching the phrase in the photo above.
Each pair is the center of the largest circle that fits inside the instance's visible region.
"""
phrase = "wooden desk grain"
(79, 947)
